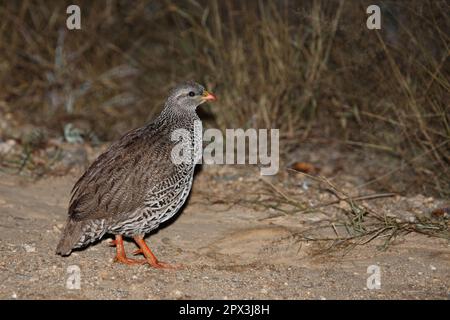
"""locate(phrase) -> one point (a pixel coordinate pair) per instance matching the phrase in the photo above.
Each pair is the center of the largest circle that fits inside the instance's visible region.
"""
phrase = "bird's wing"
(119, 179)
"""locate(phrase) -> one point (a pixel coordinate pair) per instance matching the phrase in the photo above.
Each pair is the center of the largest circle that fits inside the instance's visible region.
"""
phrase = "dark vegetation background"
(310, 68)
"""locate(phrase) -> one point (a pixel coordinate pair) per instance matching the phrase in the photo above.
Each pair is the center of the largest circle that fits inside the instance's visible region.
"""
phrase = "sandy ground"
(227, 253)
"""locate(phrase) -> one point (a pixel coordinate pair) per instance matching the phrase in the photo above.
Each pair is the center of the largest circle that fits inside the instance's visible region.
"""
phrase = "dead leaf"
(305, 167)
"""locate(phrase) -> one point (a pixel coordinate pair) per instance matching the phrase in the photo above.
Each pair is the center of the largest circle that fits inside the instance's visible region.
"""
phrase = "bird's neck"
(178, 117)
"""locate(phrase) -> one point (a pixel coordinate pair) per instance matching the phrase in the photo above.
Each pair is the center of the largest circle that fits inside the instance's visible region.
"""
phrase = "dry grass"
(350, 221)
(309, 69)
(334, 214)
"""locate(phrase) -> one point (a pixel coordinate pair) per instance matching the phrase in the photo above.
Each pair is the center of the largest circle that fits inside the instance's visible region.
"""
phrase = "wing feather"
(117, 182)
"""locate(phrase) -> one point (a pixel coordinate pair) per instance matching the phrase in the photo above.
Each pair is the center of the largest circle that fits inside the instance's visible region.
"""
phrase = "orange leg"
(121, 256)
(151, 259)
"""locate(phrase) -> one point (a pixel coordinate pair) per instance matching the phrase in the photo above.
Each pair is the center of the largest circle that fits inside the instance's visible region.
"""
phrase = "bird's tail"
(70, 236)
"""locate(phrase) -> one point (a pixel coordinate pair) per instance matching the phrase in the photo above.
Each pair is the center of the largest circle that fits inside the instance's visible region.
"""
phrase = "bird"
(135, 185)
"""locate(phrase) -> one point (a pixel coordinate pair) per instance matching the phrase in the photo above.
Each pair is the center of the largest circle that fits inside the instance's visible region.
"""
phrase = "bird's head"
(189, 95)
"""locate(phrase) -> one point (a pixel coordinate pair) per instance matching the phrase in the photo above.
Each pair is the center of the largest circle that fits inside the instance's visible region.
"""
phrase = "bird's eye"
(191, 94)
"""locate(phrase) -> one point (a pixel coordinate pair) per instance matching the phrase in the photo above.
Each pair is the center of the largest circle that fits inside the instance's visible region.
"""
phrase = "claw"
(151, 259)
(128, 261)
(164, 265)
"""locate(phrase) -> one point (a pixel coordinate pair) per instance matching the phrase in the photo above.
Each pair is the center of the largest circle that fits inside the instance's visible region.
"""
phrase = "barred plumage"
(134, 186)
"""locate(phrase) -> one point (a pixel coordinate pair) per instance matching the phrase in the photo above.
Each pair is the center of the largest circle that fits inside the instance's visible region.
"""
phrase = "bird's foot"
(121, 256)
(128, 261)
(164, 265)
(151, 260)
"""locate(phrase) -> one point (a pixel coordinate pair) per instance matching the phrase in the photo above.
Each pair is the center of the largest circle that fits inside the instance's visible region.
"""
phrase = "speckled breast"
(162, 202)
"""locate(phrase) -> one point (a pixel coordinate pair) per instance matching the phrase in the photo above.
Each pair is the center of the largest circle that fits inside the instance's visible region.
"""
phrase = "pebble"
(429, 200)
(432, 267)
(305, 185)
(6, 147)
(177, 293)
(29, 248)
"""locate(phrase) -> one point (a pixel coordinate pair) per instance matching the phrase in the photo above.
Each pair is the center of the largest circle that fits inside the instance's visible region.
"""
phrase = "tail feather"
(70, 236)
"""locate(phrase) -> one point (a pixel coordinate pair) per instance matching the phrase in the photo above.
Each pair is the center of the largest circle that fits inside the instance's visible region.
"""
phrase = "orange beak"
(208, 96)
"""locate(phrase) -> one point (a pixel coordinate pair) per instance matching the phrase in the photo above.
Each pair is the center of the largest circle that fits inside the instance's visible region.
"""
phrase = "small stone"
(14, 295)
(178, 294)
(429, 200)
(6, 147)
(344, 205)
(433, 268)
(29, 248)
(264, 291)
(305, 185)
